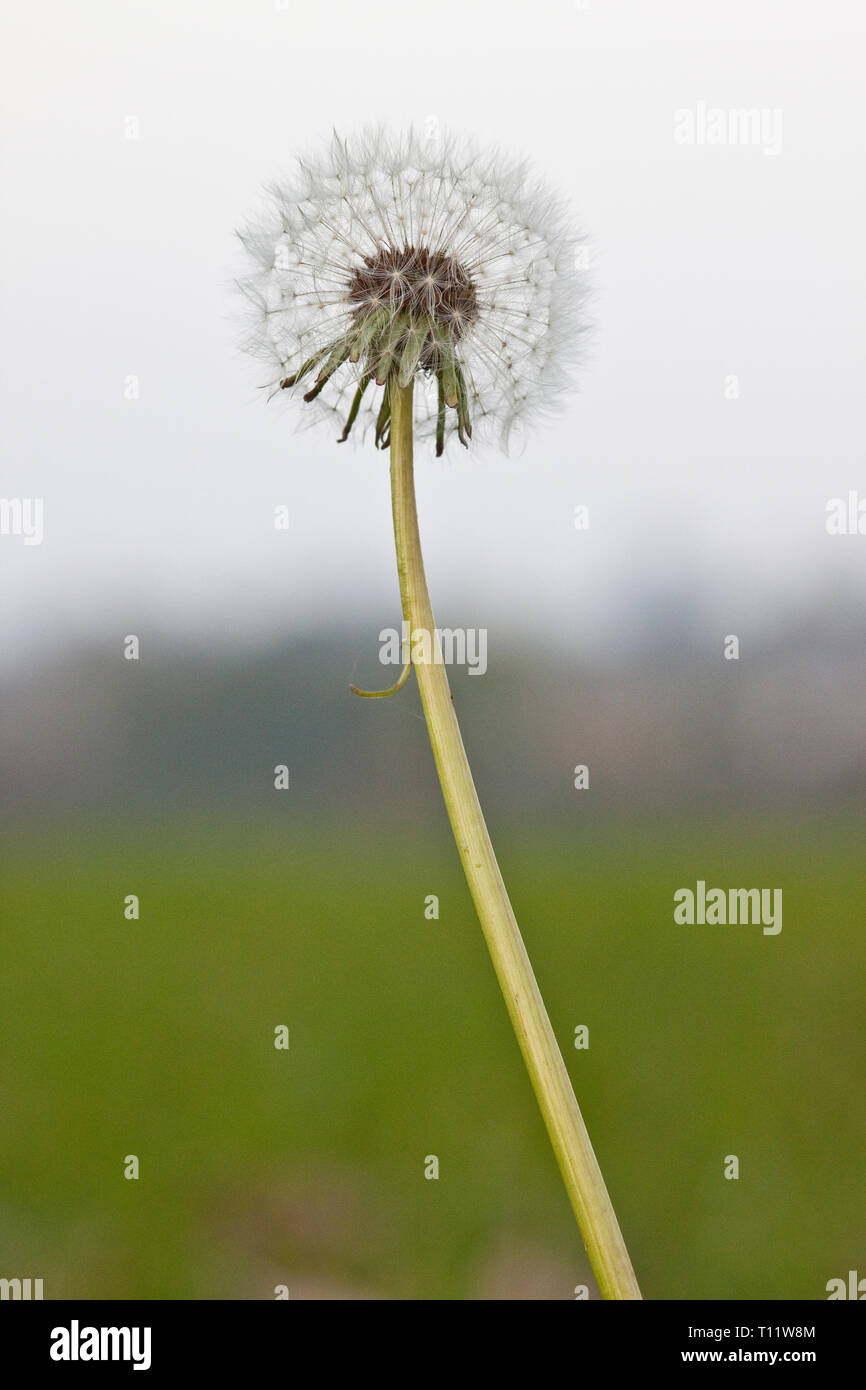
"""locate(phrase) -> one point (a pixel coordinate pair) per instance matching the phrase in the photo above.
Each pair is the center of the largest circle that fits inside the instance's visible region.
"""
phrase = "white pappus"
(393, 257)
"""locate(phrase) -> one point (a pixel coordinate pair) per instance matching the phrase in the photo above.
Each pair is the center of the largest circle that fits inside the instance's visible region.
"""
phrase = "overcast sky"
(709, 262)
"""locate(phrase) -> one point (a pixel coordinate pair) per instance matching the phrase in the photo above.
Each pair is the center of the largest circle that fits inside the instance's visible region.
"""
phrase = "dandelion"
(408, 288)
(418, 260)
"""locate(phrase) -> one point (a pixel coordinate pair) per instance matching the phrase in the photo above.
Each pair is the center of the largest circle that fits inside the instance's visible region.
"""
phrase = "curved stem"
(392, 689)
(553, 1090)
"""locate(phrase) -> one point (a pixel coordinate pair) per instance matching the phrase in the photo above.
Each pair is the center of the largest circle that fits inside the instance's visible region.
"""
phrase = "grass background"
(260, 1167)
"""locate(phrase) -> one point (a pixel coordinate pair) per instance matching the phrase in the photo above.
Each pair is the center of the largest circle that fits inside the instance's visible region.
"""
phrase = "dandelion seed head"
(394, 258)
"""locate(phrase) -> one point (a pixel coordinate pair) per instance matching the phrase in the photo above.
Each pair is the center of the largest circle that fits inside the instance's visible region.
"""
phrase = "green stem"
(578, 1164)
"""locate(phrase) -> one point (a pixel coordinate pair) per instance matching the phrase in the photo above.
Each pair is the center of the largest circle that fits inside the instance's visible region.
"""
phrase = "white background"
(119, 256)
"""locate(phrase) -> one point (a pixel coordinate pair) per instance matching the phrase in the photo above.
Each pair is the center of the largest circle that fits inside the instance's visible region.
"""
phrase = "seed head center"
(431, 286)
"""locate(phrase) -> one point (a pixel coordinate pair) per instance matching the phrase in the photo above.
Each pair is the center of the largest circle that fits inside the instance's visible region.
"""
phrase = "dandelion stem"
(392, 689)
(571, 1144)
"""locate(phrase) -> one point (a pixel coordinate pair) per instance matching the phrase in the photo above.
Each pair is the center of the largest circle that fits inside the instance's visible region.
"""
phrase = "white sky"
(707, 262)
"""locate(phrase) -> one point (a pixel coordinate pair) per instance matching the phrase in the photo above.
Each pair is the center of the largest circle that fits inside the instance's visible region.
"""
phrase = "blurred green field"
(262, 1167)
